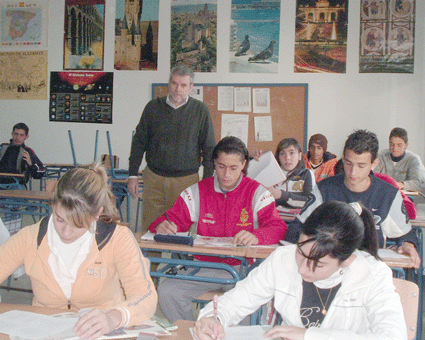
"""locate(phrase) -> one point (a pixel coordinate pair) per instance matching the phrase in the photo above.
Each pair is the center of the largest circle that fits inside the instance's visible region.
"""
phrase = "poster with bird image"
(254, 36)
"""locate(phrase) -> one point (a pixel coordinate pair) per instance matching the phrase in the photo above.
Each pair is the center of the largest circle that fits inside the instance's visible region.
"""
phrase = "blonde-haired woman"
(81, 257)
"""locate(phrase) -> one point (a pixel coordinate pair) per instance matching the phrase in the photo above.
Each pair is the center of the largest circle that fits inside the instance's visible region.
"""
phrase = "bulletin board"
(288, 111)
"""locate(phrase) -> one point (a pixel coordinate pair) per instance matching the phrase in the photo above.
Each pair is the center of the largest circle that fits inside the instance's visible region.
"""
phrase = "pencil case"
(188, 240)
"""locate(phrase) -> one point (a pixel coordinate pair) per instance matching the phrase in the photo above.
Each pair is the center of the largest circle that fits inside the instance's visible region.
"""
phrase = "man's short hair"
(399, 132)
(21, 126)
(361, 141)
(232, 145)
(182, 70)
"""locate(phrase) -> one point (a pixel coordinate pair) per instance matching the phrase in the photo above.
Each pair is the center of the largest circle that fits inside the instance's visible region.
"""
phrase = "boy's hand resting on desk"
(206, 329)
(166, 228)
(97, 323)
(286, 332)
(409, 249)
(245, 238)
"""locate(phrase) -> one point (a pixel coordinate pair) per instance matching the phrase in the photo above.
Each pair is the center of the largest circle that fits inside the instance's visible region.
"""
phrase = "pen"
(215, 301)
(168, 219)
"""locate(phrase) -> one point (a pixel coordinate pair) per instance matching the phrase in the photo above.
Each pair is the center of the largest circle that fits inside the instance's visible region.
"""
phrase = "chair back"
(409, 296)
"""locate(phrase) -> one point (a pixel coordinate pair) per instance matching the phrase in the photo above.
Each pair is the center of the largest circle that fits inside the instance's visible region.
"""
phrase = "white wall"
(337, 103)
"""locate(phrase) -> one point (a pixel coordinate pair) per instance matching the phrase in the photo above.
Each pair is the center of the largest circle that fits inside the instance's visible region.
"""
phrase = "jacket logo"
(244, 217)
(97, 272)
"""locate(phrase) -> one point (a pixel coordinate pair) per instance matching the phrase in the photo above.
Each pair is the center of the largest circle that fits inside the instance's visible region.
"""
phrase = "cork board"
(288, 111)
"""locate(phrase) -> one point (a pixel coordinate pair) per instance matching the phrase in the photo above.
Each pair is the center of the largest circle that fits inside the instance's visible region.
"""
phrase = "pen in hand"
(215, 326)
(168, 219)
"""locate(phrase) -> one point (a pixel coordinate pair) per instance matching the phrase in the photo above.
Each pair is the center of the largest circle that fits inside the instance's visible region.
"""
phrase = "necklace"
(324, 311)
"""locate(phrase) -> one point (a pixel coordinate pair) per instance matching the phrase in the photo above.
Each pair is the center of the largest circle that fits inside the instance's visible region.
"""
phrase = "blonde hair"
(82, 193)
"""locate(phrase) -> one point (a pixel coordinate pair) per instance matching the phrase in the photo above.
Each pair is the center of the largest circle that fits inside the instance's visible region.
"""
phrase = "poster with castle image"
(387, 37)
(194, 34)
(84, 34)
(136, 34)
(254, 36)
(321, 36)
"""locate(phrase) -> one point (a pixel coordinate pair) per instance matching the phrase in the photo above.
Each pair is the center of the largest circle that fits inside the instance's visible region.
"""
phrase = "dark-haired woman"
(330, 285)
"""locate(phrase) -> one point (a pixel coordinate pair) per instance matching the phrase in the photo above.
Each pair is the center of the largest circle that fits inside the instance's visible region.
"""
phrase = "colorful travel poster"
(23, 75)
(321, 36)
(194, 34)
(23, 24)
(254, 36)
(84, 34)
(81, 97)
(387, 36)
(136, 35)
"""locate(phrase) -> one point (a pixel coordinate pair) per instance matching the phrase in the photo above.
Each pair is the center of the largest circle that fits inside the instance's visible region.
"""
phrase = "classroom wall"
(337, 103)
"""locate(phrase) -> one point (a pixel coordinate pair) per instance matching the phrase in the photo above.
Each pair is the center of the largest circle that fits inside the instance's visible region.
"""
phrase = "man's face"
(228, 168)
(179, 88)
(357, 169)
(397, 146)
(19, 136)
(316, 153)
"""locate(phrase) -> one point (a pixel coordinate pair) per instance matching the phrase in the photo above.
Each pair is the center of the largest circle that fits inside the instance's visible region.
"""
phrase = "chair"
(409, 296)
(74, 157)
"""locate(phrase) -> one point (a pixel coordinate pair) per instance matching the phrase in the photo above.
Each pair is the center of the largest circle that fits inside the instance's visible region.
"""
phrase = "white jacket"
(365, 307)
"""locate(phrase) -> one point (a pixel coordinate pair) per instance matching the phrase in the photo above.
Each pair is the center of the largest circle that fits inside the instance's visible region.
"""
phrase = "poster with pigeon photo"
(254, 36)
(321, 36)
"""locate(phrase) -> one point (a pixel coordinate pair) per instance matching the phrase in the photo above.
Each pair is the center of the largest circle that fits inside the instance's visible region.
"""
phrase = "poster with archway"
(84, 35)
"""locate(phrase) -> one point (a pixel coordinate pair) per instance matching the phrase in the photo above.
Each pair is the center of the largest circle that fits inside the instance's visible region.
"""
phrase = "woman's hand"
(207, 329)
(276, 193)
(257, 154)
(286, 333)
(97, 323)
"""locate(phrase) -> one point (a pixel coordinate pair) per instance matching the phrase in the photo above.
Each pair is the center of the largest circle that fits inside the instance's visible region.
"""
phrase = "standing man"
(176, 132)
(17, 158)
(358, 184)
(401, 164)
(319, 159)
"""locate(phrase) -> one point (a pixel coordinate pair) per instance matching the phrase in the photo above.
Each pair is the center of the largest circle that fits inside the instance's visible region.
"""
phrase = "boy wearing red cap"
(319, 159)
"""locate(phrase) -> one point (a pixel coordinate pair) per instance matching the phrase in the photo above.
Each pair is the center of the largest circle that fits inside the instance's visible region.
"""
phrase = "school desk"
(29, 202)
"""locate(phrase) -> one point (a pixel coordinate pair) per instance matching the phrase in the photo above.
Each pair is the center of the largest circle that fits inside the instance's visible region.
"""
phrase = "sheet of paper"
(34, 326)
(214, 241)
(197, 93)
(242, 99)
(235, 125)
(244, 332)
(225, 98)
(385, 253)
(263, 129)
(266, 170)
(261, 100)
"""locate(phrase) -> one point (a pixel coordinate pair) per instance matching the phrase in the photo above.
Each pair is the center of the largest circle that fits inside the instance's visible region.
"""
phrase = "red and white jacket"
(249, 206)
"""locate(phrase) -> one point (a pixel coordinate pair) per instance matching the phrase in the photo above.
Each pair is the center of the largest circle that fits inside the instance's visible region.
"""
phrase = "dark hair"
(232, 145)
(182, 70)
(21, 126)
(399, 132)
(286, 143)
(338, 230)
(339, 167)
(361, 141)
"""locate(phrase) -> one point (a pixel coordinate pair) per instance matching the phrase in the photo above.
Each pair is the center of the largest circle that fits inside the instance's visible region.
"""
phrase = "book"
(266, 170)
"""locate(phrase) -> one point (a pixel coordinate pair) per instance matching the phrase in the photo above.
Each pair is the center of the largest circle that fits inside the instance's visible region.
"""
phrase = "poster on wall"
(387, 36)
(254, 36)
(23, 75)
(23, 24)
(84, 34)
(136, 35)
(81, 96)
(321, 36)
(194, 34)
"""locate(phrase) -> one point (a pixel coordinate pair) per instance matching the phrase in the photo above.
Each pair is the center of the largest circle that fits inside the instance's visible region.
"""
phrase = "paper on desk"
(149, 236)
(386, 253)
(34, 326)
(243, 332)
(213, 241)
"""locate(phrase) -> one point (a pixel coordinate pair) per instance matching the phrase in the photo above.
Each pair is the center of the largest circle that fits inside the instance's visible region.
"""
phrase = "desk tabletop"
(227, 251)
(27, 194)
(182, 333)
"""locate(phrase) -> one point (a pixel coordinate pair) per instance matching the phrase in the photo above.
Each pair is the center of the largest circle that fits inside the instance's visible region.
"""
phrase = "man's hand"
(400, 185)
(245, 238)
(97, 323)
(133, 186)
(26, 157)
(257, 154)
(166, 228)
(409, 249)
(207, 329)
(286, 332)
